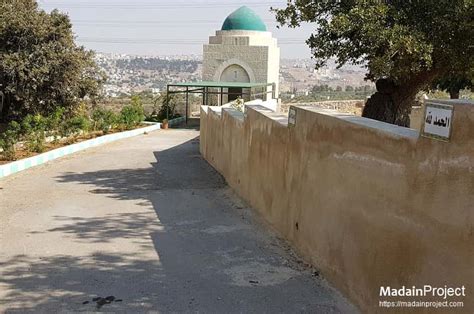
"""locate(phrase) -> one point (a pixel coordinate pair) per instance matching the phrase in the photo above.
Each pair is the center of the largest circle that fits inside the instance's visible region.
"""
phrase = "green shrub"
(74, 126)
(9, 138)
(167, 109)
(80, 123)
(132, 115)
(26, 126)
(53, 123)
(33, 128)
(103, 119)
(152, 118)
(129, 117)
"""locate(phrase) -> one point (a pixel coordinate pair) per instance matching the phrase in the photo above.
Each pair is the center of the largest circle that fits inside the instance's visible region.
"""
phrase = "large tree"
(408, 44)
(453, 84)
(41, 67)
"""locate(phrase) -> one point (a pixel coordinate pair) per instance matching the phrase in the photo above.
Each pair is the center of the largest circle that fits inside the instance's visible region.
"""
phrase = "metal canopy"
(220, 84)
(207, 88)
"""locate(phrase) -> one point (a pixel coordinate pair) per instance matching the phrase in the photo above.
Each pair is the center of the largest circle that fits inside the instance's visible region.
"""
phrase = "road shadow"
(202, 251)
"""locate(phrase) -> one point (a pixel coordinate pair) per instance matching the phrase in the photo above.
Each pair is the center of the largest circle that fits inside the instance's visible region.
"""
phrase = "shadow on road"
(200, 252)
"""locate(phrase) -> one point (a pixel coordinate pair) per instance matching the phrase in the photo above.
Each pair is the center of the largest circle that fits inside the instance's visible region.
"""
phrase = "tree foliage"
(165, 107)
(453, 84)
(41, 67)
(410, 42)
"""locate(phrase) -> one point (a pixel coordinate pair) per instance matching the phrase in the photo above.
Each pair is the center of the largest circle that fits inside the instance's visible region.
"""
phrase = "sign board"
(438, 121)
(292, 116)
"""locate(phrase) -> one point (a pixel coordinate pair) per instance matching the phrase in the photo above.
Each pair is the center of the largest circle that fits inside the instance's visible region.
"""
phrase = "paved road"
(148, 221)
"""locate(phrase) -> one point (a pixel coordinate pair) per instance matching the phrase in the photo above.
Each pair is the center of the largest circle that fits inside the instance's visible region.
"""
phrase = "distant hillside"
(157, 64)
(128, 74)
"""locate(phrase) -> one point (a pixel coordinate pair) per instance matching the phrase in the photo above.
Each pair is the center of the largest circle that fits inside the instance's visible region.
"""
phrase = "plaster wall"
(416, 117)
(368, 203)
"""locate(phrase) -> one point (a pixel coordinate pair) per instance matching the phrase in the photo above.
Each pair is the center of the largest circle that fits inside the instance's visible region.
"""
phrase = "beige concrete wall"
(369, 204)
(256, 52)
(416, 117)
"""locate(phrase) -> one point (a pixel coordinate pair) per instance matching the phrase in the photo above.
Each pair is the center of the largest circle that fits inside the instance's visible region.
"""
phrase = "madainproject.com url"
(419, 304)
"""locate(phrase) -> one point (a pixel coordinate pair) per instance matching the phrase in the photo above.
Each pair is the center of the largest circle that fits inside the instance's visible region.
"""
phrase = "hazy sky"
(179, 27)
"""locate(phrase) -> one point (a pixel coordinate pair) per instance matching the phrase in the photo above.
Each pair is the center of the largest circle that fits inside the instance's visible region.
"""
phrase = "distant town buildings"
(128, 74)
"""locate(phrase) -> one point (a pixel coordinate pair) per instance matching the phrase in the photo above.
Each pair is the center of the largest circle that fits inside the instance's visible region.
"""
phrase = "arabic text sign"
(438, 121)
(292, 116)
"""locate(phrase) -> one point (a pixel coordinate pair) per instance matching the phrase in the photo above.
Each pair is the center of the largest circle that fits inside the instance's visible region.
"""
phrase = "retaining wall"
(368, 203)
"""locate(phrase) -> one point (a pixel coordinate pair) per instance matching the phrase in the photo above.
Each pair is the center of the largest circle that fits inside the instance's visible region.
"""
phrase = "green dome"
(244, 19)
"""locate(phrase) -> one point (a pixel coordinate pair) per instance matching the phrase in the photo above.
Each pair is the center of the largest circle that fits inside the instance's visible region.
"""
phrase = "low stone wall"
(368, 203)
(355, 107)
(347, 106)
(416, 117)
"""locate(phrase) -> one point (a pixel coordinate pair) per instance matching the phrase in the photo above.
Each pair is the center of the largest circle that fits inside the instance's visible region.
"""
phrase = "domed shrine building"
(242, 60)
(243, 51)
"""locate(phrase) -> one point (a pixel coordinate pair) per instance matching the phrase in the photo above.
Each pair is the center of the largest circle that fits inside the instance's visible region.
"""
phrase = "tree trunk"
(393, 108)
(392, 102)
(454, 94)
(5, 109)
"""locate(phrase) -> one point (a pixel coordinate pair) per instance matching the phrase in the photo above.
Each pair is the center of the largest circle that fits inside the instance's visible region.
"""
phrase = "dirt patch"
(261, 274)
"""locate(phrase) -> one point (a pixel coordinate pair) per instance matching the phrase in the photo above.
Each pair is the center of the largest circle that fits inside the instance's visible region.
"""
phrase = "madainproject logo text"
(426, 291)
